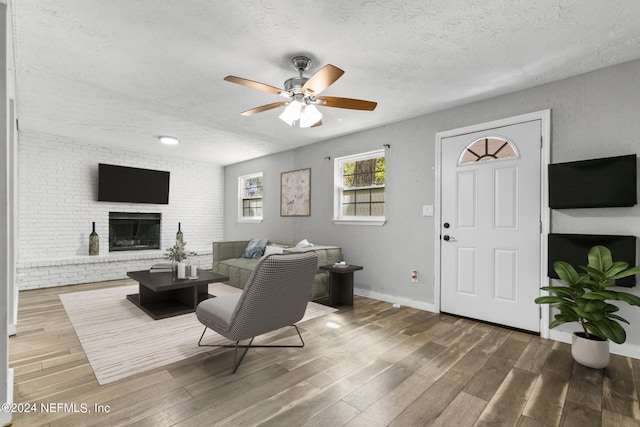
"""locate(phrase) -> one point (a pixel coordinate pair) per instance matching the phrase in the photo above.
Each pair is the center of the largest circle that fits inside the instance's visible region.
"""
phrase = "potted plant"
(586, 298)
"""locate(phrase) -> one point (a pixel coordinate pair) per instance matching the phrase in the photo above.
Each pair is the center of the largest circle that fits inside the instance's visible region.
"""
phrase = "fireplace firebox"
(134, 231)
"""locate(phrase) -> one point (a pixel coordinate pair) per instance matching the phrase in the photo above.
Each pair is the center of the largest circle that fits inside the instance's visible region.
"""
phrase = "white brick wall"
(57, 202)
(83, 269)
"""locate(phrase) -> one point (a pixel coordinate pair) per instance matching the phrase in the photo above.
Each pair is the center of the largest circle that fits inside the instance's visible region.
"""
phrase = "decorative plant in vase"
(586, 298)
(178, 254)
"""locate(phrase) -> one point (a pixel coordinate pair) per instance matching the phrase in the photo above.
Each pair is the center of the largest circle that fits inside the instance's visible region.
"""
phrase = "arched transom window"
(488, 148)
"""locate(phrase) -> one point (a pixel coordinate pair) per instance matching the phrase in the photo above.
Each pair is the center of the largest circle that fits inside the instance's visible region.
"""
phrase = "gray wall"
(592, 115)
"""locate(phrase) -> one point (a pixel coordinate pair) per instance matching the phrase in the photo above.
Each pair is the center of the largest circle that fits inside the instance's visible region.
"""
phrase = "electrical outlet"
(414, 276)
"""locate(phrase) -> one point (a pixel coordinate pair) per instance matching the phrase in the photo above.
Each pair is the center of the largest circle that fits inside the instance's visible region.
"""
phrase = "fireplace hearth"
(134, 231)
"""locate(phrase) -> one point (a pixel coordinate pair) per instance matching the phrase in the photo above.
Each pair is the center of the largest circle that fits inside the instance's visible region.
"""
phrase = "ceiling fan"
(302, 95)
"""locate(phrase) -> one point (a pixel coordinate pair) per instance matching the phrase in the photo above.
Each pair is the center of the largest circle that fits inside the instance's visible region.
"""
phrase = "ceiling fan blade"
(321, 80)
(263, 108)
(254, 85)
(352, 104)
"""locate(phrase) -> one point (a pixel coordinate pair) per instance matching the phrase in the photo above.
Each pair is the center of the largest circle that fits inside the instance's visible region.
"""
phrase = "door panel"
(506, 199)
(506, 275)
(490, 251)
(467, 200)
(467, 271)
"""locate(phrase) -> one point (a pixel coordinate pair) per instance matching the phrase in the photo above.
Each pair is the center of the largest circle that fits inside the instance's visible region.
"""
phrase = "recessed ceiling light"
(169, 140)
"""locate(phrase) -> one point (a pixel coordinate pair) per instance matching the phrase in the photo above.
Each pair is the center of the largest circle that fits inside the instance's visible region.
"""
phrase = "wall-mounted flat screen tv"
(132, 185)
(595, 183)
(573, 248)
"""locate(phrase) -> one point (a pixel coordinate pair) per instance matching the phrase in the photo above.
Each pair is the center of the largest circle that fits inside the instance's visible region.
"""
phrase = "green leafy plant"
(178, 252)
(584, 296)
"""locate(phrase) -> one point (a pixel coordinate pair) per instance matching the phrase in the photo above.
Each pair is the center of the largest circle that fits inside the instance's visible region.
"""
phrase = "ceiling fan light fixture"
(303, 95)
(169, 140)
(291, 113)
(310, 116)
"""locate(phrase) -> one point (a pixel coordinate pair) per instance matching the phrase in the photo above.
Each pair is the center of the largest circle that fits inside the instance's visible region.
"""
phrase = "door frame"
(545, 212)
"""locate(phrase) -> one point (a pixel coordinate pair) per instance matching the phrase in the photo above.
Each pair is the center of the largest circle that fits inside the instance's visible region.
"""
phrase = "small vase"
(174, 270)
(94, 241)
(592, 353)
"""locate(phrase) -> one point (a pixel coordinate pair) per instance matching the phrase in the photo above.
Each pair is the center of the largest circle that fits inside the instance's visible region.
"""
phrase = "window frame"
(338, 186)
(241, 199)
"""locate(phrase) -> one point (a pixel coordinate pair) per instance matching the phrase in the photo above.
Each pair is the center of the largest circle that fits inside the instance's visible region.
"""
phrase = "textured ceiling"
(122, 72)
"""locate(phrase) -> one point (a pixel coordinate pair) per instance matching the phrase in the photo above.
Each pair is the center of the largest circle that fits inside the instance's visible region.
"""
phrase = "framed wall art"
(295, 193)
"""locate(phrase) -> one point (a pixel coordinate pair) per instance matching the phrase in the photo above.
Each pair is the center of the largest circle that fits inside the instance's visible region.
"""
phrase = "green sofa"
(228, 260)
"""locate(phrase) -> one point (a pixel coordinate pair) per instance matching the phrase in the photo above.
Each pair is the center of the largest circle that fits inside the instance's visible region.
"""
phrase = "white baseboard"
(395, 300)
(11, 329)
(5, 417)
(628, 350)
(561, 336)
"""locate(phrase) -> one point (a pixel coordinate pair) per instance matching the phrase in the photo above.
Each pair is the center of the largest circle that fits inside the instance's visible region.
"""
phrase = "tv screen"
(596, 183)
(573, 248)
(132, 185)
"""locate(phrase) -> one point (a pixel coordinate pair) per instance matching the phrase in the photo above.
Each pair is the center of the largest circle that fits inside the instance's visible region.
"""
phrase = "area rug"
(120, 340)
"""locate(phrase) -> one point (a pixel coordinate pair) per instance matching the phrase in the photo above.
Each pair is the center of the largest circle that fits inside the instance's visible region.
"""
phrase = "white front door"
(491, 225)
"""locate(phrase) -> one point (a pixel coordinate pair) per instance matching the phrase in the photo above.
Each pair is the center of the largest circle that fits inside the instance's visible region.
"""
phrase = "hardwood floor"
(367, 365)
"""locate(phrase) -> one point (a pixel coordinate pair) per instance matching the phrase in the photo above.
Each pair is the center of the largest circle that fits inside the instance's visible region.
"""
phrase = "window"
(360, 188)
(489, 148)
(250, 197)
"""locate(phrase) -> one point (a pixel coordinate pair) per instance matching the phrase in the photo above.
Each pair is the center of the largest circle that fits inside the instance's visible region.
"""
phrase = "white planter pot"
(592, 353)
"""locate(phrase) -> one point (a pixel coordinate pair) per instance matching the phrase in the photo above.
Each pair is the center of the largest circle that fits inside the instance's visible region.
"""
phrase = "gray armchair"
(275, 296)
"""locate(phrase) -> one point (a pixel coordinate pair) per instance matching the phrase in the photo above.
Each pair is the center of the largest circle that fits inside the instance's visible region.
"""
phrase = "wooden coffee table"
(160, 296)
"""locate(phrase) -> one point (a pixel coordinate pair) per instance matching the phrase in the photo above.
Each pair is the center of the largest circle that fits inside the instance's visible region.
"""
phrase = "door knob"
(448, 238)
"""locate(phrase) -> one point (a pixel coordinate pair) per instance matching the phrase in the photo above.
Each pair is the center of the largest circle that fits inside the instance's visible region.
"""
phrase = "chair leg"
(202, 336)
(235, 355)
(278, 345)
(236, 346)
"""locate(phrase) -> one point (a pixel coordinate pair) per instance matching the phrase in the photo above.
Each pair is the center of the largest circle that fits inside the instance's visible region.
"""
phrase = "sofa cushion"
(230, 249)
(273, 249)
(326, 254)
(254, 249)
(237, 269)
(242, 263)
(304, 244)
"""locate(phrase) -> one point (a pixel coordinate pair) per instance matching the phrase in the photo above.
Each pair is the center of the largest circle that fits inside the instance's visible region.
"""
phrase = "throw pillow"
(272, 249)
(254, 248)
(304, 244)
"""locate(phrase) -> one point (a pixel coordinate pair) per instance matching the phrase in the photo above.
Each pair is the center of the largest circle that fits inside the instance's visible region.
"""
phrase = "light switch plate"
(427, 210)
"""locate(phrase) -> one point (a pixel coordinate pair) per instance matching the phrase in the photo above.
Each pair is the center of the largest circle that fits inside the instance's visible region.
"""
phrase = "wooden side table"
(341, 284)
